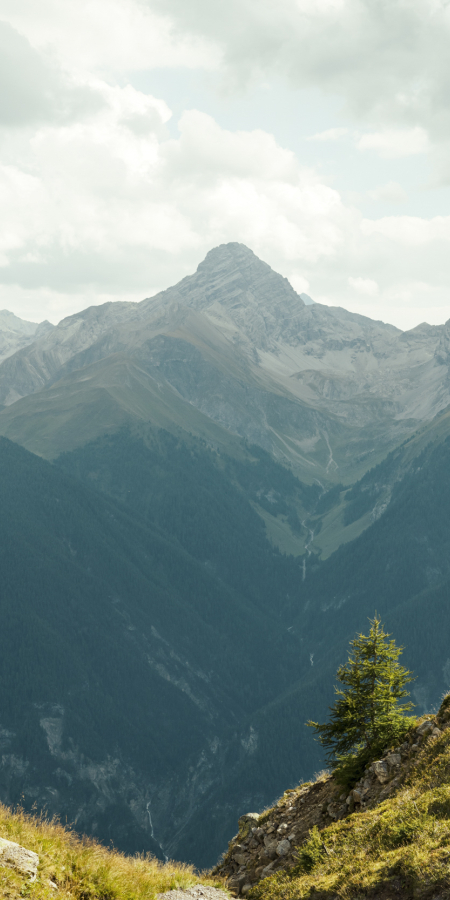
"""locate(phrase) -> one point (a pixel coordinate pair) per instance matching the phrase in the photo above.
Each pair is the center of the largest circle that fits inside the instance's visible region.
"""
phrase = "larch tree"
(369, 713)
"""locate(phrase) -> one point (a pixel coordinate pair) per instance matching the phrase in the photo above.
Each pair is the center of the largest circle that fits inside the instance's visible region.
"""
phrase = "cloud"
(32, 89)
(412, 231)
(391, 192)
(364, 286)
(331, 134)
(389, 62)
(109, 36)
(101, 201)
(110, 206)
(394, 143)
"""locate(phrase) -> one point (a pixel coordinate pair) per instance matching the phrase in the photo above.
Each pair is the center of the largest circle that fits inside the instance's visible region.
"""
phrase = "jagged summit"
(233, 277)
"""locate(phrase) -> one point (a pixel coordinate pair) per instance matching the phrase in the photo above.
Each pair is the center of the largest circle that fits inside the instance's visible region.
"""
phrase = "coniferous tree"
(368, 715)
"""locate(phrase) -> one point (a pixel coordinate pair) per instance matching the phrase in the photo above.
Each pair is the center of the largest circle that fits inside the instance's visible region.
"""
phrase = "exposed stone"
(424, 728)
(381, 771)
(283, 848)
(393, 759)
(267, 870)
(248, 818)
(16, 857)
(197, 892)
(266, 848)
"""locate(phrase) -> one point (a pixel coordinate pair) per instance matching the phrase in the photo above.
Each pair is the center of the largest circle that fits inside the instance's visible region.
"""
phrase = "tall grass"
(82, 869)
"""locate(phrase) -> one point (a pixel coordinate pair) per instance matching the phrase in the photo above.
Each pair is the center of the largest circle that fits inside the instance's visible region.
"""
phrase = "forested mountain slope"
(128, 669)
(398, 566)
(206, 501)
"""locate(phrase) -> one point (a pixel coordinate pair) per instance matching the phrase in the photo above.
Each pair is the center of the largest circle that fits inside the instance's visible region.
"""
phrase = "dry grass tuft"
(83, 869)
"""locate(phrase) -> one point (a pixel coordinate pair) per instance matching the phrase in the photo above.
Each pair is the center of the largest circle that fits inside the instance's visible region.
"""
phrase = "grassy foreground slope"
(398, 848)
(74, 868)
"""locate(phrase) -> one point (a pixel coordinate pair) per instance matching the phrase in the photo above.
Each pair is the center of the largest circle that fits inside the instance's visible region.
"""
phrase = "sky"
(135, 135)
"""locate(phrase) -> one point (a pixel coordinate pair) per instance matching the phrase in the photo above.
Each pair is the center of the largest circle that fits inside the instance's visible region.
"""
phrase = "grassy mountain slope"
(101, 398)
(398, 846)
(71, 868)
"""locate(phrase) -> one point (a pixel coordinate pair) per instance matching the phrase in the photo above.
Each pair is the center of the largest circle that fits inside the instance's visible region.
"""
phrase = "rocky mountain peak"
(233, 276)
(239, 293)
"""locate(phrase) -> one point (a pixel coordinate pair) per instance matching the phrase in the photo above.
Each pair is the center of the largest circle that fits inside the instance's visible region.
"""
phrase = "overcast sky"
(137, 134)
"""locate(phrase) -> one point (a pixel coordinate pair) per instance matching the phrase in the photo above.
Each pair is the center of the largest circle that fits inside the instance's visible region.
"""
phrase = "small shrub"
(312, 853)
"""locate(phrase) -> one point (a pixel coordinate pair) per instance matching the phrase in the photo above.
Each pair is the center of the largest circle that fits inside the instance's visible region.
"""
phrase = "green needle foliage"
(368, 715)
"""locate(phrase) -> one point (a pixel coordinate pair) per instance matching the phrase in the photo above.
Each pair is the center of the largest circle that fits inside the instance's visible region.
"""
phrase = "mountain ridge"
(326, 391)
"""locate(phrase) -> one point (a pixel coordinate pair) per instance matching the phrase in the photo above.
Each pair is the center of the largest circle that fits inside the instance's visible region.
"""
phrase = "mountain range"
(204, 496)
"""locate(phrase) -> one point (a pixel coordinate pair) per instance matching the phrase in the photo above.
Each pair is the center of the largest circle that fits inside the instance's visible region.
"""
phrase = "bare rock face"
(16, 333)
(16, 857)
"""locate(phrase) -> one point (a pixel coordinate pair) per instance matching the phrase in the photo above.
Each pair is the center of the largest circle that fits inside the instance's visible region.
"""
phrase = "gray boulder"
(16, 857)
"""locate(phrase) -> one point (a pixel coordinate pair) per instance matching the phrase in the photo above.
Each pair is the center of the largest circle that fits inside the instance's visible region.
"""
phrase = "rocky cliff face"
(16, 333)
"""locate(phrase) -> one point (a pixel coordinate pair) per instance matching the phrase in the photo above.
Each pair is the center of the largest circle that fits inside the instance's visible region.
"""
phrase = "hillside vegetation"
(73, 868)
(392, 841)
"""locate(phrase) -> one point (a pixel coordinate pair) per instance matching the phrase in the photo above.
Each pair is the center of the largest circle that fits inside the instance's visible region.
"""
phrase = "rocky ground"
(269, 842)
(198, 892)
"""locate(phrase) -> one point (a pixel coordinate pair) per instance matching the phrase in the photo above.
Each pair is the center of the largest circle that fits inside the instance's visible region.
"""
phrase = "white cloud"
(33, 89)
(388, 63)
(364, 286)
(391, 192)
(331, 134)
(394, 143)
(412, 231)
(99, 36)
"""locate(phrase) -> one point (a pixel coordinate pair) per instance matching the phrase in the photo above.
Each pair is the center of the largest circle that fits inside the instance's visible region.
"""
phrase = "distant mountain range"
(231, 349)
(232, 482)
(15, 333)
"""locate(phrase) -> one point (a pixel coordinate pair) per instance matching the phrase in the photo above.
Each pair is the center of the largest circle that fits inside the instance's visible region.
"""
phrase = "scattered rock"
(248, 819)
(198, 892)
(393, 759)
(267, 870)
(381, 771)
(425, 727)
(271, 845)
(16, 857)
(283, 848)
